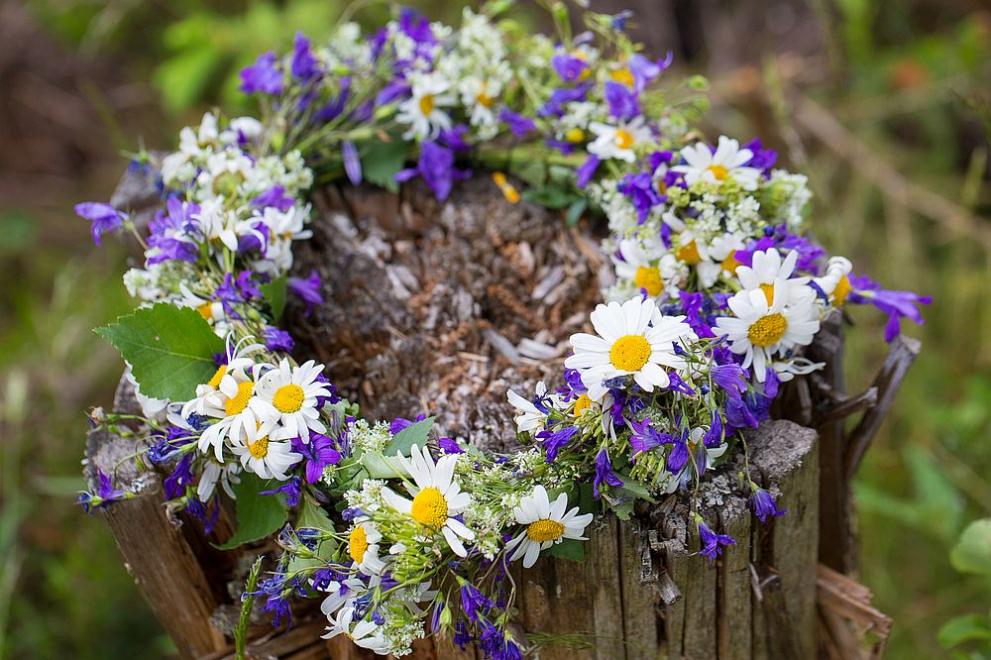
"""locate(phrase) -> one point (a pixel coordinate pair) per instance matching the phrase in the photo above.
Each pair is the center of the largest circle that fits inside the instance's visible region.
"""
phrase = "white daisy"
(211, 311)
(619, 142)
(641, 263)
(633, 340)
(226, 475)
(365, 633)
(546, 524)
(836, 282)
(363, 547)
(437, 498)
(341, 593)
(531, 418)
(263, 451)
(479, 95)
(759, 330)
(235, 407)
(208, 394)
(767, 269)
(423, 110)
(291, 395)
(797, 366)
(721, 258)
(726, 163)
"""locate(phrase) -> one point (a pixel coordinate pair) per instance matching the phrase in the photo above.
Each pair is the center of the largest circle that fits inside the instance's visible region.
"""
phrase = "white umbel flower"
(633, 340)
(546, 523)
(291, 394)
(759, 331)
(437, 498)
(619, 142)
(424, 111)
(726, 163)
(263, 452)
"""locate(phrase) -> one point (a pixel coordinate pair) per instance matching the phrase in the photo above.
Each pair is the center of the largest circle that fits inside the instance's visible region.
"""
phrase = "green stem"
(240, 634)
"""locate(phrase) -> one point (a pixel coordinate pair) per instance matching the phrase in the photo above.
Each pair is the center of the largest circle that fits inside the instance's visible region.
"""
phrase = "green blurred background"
(886, 106)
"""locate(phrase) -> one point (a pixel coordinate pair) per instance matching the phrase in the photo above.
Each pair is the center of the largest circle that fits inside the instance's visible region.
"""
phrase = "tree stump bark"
(439, 308)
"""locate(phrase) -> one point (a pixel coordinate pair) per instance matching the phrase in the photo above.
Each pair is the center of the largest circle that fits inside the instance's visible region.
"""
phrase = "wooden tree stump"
(439, 308)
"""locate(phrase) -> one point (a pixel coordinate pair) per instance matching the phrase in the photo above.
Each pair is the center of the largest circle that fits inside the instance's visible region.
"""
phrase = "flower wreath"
(402, 533)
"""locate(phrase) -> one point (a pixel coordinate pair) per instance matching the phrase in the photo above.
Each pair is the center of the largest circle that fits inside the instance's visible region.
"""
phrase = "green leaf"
(551, 197)
(257, 515)
(170, 349)
(274, 294)
(416, 434)
(381, 161)
(972, 553)
(575, 211)
(570, 549)
(967, 628)
(635, 488)
(312, 516)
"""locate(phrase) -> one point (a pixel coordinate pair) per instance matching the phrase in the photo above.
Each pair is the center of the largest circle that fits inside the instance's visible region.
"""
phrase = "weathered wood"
(734, 631)
(638, 586)
(849, 617)
(169, 574)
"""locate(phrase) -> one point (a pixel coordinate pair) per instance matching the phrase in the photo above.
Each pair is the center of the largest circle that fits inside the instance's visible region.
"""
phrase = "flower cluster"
(716, 294)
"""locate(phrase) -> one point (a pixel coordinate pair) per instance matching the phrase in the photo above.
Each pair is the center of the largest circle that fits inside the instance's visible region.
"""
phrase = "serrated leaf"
(381, 161)
(570, 549)
(274, 293)
(170, 349)
(972, 553)
(967, 628)
(415, 434)
(258, 515)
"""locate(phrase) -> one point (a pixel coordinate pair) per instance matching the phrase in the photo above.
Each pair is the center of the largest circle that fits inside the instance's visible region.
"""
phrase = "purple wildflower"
(764, 505)
(318, 453)
(644, 70)
(175, 484)
(623, 104)
(711, 543)
(604, 473)
(678, 456)
(170, 232)
(587, 170)
(519, 125)
(277, 340)
(262, 77)
(291, 489)
(449, 446)
(731, 378)
(763, 159)
(352, 163)
(105, 494)
(105, 218)
(436, 167)
(646, 438)
(555, 441)
(896, 304)
(568, 67)
(474, 602)
(308, 289)
(641, 191)
(554, 107)
(275, 197)
(714, 436)
(304, 65)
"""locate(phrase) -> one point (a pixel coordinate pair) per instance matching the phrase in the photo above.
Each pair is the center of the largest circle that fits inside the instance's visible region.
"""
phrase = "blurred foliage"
(906, 78)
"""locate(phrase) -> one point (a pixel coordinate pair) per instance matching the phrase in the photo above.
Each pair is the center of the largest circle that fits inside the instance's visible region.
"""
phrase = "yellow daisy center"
(574, 135)
(719, 171)
(545, 529)
(768, 290)
(218, 376)
(842, 290)
(624, 139)
(259, 448)
(206, 311)
(624, 76)
(358, 544)
(582, 403)
(288, 398)
(427, 104)
(730, 263)
(237, 403)
(430, 508)
(484, 99)
(689, 253)
(630, 352)
(767, 330)
(649, 278)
